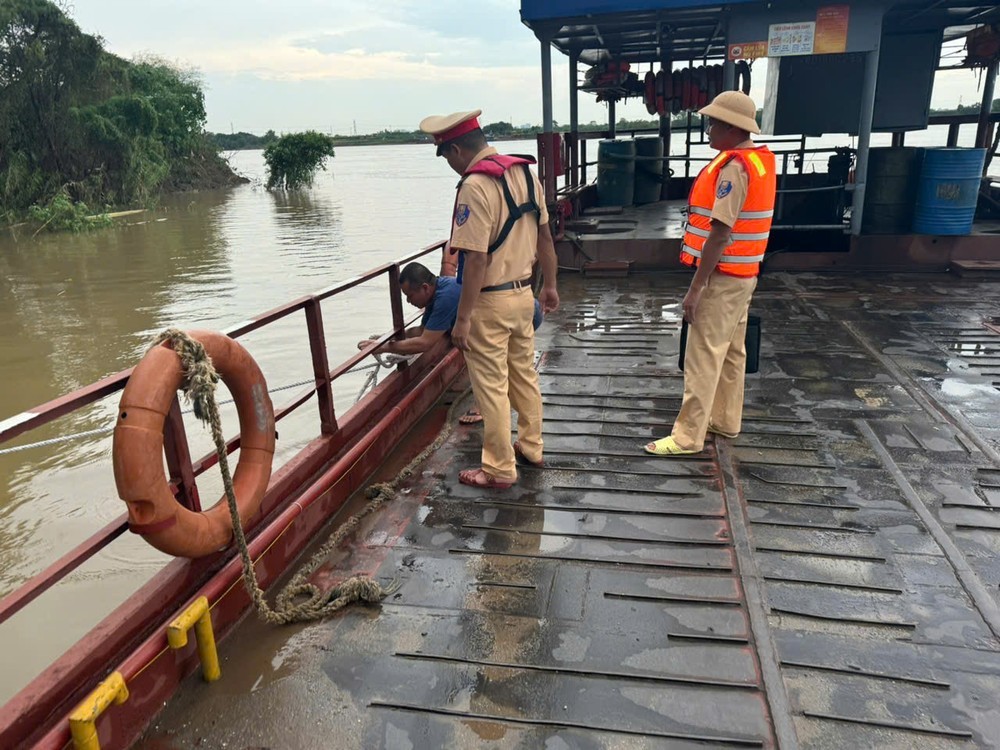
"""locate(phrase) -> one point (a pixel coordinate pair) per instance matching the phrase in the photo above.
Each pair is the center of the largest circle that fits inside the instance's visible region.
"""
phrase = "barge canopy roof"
(653, 30)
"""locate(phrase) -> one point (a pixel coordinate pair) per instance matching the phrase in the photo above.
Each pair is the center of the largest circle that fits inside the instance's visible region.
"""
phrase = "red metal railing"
(182, 470)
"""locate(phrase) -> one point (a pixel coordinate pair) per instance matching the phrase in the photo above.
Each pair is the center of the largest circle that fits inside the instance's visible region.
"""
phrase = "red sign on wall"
(831, 29)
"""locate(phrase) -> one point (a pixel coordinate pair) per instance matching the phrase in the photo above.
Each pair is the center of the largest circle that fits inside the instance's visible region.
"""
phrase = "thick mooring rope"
(200, 379)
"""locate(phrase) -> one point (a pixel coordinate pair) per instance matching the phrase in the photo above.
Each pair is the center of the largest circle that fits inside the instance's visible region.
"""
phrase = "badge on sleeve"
(724, 189)
(462, 213)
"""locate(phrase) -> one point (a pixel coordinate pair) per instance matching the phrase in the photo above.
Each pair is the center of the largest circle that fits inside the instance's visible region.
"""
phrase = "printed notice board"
(785, 39)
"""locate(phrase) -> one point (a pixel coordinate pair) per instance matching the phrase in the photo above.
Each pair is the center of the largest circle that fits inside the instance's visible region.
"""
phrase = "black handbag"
(752, 343)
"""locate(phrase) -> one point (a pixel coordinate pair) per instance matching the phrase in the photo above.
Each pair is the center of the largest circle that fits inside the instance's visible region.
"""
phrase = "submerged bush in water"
(293, 159)
(62, 213)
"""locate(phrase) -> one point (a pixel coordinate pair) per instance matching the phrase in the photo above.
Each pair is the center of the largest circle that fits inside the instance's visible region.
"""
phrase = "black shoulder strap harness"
(514, 211)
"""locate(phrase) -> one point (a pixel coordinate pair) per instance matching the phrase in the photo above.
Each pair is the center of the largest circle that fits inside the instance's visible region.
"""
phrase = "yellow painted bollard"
(199, 617)
(83, 720)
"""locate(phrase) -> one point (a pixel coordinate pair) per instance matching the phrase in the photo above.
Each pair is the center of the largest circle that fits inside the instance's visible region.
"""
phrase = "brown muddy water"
(77, 308)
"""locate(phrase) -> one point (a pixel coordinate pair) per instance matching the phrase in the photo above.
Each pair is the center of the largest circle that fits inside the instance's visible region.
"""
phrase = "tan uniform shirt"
(731, 190)
(480, 213)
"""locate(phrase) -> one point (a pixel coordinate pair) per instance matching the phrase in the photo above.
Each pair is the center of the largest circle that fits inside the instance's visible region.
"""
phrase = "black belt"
(509, 285)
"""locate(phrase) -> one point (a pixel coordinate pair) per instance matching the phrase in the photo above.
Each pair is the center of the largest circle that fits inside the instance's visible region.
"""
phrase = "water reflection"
(310, 232)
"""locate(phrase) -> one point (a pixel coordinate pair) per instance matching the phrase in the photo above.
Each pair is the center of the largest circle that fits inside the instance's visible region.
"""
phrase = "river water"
(76, 308)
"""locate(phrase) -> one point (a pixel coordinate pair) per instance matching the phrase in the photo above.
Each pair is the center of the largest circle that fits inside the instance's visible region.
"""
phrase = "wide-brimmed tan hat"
(734, 108)
(446, 127)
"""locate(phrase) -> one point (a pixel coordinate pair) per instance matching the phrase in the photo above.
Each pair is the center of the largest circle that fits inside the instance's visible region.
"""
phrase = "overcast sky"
(336, 66)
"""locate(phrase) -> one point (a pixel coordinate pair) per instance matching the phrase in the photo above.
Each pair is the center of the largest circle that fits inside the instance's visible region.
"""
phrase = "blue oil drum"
(648, 169)
(949, 190)
(615, 172)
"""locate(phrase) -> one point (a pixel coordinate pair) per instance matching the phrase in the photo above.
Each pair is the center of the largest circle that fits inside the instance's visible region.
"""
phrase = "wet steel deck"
(827, 580)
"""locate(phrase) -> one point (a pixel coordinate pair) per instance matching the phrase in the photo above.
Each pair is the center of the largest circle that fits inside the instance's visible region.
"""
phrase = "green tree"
(293, 159)
(85, 126)
(498, 128)
(242, 140)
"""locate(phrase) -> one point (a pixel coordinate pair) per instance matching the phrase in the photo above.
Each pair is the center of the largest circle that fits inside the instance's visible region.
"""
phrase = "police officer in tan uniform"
(494, 324)
(730, 210)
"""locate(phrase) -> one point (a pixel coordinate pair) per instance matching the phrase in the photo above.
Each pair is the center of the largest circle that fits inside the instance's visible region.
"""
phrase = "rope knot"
(384, 490)
(361, 589)
(200, 376)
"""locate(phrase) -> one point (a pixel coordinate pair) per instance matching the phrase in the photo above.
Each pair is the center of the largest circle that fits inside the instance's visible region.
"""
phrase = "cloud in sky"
(385, 63)
(361, 65)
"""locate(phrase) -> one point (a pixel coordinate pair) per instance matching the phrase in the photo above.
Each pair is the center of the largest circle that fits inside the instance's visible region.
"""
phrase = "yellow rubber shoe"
(666, 447)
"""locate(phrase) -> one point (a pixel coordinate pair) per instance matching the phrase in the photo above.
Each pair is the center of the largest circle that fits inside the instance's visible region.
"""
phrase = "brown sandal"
(472, 416)
(479, 478)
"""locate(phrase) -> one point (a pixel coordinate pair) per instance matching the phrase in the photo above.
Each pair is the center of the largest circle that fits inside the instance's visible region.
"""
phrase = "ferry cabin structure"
(875, 76)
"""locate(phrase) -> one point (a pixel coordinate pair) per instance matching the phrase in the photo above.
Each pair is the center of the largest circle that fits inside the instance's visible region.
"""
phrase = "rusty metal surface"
(601, 602)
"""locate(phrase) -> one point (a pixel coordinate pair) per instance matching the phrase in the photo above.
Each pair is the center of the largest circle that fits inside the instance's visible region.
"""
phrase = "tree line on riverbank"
(494, 131)
(82, 129)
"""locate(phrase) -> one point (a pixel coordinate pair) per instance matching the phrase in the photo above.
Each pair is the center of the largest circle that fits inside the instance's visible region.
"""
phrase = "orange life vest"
(753, 224)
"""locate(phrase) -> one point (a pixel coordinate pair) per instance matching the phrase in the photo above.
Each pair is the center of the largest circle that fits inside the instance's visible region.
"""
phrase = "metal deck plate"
(613, 600)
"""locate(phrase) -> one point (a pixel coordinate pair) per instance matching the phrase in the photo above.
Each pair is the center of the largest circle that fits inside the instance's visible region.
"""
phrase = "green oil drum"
(615, 172)
(648, 169)
(891, 192)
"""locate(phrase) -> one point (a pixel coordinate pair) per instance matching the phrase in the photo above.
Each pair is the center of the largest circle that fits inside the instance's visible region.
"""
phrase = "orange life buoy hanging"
(743, 76)
(713, 86)
(700, 87)
(137, 453)
(649, 96)
(687, 100)
(668, 90)
(660, 89)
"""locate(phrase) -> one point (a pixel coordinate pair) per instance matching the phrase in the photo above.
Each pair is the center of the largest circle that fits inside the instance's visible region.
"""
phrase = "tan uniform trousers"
(500, 360)
(715, 362)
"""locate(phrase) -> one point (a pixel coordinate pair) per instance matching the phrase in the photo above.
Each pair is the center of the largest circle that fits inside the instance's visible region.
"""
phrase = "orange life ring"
(661, 105)
(700, 79)
(650, 92)
(137, 453)
(713, 86)
(687, 92)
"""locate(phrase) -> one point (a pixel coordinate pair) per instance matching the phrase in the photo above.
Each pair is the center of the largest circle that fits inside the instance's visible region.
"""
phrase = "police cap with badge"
(446, 128)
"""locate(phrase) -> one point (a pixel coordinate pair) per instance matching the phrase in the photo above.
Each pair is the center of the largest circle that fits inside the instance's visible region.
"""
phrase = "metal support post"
(983, 127)
(396, 304)
(321, 367)
(665, 66)
(178, 454)
(864, 136)
(574, 120)
(728, 75)
(548, 174)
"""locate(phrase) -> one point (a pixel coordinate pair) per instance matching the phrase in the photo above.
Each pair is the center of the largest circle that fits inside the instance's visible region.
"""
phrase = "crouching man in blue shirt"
(437, 296)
